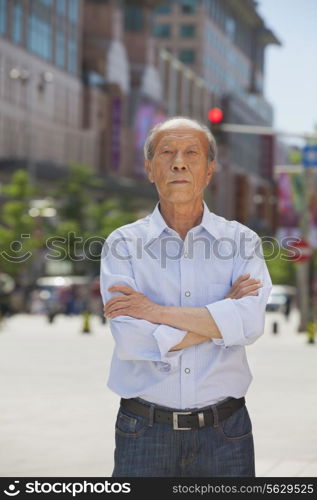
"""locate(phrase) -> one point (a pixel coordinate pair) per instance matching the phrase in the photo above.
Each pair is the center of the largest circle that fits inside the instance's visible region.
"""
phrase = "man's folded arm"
(230, 322)
(241, 321)
(135, 339)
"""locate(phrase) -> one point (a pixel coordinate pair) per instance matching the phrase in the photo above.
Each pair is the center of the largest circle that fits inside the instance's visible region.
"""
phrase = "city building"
(83, 81)
(224, 42)
(41, 92)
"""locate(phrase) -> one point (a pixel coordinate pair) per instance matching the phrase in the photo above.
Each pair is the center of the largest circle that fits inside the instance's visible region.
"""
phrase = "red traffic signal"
(215, 115)
(300, 251)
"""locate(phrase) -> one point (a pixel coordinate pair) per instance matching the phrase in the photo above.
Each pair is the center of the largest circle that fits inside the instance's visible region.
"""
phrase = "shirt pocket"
(217, 291)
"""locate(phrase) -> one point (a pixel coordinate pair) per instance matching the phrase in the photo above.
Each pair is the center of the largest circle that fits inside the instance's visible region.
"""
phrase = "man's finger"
(245, 283)
(121, 288)
(241, 278)
(115, 308)
(115, 299)
(121, 300)
(251, 288)
(243, 294)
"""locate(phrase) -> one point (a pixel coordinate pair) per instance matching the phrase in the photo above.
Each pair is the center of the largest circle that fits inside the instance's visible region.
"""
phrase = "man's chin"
(179, 197)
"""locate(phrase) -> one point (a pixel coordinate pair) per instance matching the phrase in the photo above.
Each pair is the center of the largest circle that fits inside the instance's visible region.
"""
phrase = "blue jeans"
(147, 449)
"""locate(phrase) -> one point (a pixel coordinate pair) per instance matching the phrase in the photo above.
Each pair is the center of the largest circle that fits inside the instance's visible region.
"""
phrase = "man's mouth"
(180, 181)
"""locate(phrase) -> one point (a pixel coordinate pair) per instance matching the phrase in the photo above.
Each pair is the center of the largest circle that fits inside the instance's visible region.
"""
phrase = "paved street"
(57, 415)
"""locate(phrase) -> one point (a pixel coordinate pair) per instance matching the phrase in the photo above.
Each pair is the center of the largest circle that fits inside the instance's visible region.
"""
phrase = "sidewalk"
(282, 400)
(57, 415)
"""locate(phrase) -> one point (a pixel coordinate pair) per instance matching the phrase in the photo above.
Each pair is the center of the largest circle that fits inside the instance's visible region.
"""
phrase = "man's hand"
(137, 305)
(131, 303)
(244, 287)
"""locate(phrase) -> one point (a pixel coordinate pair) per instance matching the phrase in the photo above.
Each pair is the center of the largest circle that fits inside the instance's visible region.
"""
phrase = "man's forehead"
(174, 134)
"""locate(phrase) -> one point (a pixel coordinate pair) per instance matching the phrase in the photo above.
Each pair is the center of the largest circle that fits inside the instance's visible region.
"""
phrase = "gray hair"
(182, 122)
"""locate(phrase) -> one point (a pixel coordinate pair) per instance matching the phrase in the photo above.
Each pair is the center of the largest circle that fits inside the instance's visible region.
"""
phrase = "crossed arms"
(146, 331)
(197, 321)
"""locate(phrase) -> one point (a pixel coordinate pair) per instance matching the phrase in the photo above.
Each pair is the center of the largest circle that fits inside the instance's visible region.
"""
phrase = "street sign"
(301, 251)
(309, 156)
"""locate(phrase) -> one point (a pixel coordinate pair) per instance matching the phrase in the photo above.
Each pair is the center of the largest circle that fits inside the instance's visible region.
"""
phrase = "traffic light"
(215, 118)
(215, 115)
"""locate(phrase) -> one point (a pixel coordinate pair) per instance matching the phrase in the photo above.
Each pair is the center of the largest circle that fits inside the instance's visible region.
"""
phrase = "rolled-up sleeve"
(135, 339)
(241, 321)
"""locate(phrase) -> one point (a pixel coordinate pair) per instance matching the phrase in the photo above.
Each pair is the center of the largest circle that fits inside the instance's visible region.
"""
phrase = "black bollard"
(275, 327)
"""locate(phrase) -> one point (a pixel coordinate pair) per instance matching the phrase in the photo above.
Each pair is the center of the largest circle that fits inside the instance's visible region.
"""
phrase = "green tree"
(17, 227)
(82, 219)
(282, 271)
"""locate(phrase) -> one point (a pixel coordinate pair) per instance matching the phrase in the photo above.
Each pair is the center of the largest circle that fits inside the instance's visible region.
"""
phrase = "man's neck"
(182, 216)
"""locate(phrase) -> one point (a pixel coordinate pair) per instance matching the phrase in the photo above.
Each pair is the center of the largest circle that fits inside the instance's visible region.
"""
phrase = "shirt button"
(185, 255)
(187, 370)
(187, 294)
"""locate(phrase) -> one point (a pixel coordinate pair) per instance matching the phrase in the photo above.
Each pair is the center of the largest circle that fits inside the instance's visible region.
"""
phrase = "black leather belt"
(184, 420)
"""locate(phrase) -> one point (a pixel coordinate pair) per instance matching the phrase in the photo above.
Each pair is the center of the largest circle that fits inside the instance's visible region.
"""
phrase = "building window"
(187, 30)
(39, 37)
(47, 2)
(17, 22)
(187, 56)
(73, 11)
(230, 28)
(189, 6)
(61, 7)
(163, 9)
(162, 30)
(133, 19)
(72, 56)
(60, 49)
(3, 16)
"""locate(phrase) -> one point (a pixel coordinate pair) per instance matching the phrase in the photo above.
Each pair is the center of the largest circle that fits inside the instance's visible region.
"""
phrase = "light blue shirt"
(151, 257)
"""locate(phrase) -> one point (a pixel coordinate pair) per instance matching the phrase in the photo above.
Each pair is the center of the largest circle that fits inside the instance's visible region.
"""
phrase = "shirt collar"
(157, 223)
(209, 223)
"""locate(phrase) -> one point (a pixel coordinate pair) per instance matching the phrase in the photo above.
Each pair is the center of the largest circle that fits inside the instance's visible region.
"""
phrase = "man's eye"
(192, 152)
(167, 151)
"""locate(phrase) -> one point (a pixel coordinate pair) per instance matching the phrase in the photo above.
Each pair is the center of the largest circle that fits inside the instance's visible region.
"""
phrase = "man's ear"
(148, 170)
(211, 167)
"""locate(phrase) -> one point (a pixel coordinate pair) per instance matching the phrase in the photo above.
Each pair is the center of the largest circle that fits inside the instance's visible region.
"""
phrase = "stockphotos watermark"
(71, 488)
(76, 248)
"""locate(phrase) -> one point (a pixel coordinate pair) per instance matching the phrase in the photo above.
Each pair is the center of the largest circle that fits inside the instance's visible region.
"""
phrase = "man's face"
(180, 168)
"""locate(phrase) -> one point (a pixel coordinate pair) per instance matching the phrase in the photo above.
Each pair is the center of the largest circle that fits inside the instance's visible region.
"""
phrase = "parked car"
(281, 299)
(61, 294)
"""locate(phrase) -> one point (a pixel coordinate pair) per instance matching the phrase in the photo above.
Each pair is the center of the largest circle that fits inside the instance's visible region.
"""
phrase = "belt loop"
(151, 415)
(215, 415)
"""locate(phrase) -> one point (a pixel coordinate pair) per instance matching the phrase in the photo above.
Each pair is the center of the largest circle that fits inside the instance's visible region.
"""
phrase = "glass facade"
(187, 30)
(60, 51)
(61, 7)
(163, 9)
(73, 11)
(17, 22)
(43, 34)
(3, 16)
(187, 56)
(72, 56)
(189, 6)
(40, 36)
(133, 18)
(162, 30)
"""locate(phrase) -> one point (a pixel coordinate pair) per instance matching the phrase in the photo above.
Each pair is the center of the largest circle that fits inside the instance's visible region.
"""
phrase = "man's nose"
(179, 163)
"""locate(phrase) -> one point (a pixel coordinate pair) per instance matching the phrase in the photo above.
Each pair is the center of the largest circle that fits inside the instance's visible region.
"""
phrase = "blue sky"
(291, 70)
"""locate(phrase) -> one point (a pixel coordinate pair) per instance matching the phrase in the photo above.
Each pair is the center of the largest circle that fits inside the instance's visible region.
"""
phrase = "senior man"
(185, 291)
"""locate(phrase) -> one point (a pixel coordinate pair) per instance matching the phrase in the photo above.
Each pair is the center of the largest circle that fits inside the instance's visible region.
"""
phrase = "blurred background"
(81, 84)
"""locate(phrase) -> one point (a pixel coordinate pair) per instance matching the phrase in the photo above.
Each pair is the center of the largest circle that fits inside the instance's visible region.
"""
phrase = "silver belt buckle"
(175, 420)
